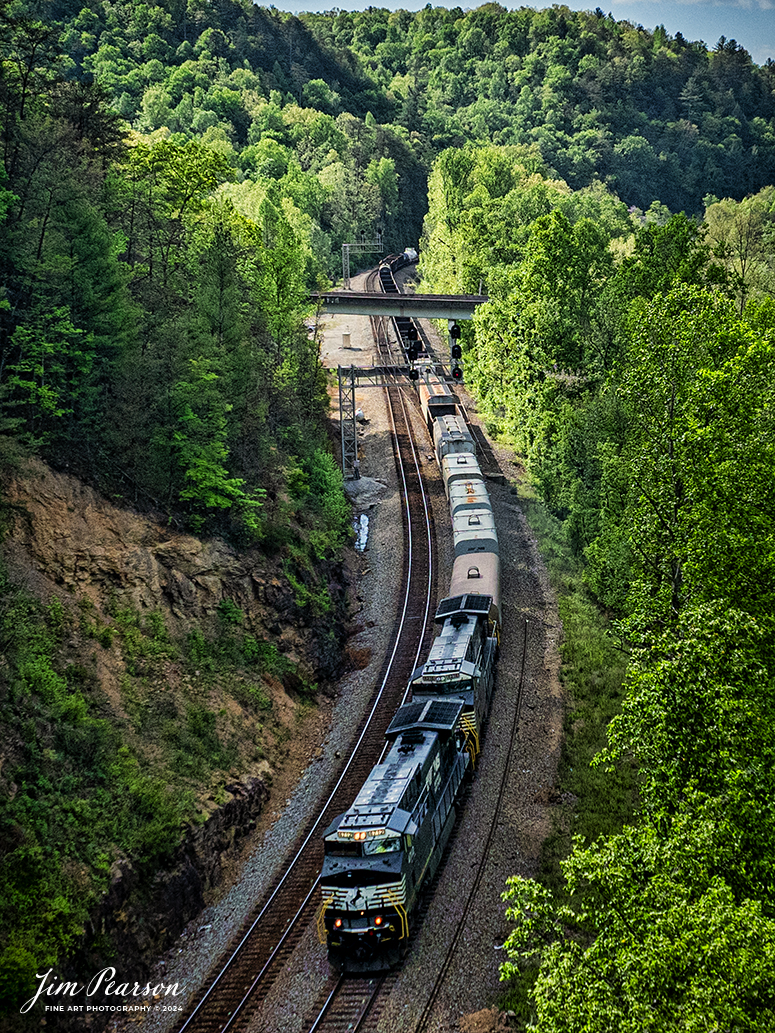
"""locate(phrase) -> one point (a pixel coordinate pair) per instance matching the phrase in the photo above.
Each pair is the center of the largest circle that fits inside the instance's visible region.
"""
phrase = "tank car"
(389, 842)
(468, 493)
(435, 399)
(459, 466)
(473, 524)
(462, 658)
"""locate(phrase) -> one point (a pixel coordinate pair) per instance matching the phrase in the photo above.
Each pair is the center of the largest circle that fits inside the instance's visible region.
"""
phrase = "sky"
(750, 22)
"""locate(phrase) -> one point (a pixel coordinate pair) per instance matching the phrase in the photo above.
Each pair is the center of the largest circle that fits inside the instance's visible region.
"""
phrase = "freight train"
(388, 844)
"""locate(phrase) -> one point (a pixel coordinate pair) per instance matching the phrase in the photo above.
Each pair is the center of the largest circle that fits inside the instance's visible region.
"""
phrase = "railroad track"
(423, 1023)
(350, 1003)
(487, 461)
(355, 1004)
(269, 937)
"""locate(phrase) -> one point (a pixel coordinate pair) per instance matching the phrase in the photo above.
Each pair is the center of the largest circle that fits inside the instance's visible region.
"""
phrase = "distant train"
(388, 844)
(407, 256)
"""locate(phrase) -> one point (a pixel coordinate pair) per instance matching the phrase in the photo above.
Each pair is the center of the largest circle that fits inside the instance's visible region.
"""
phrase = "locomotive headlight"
(338, 923)
(378, 920)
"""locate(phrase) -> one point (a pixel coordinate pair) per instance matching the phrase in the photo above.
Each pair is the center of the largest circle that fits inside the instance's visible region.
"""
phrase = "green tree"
(742, 234)
(201, 448)
(654, 940)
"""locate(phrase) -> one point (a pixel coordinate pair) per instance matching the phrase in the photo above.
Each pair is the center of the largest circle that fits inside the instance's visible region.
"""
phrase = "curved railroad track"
(423, 1022)
(269, 937)
(355, 1004)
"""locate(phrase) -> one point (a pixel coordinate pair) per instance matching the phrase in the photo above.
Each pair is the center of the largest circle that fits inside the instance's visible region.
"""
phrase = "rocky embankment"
(64, 541)
(140, 917)
(65, 537)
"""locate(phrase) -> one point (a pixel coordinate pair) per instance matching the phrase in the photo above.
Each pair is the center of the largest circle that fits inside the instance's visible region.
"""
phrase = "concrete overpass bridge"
(400, 308)
(413, 306)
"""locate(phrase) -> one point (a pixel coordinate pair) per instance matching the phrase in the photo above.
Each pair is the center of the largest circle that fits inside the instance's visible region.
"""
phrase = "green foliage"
(329, 509)
(70, 772)
(594, 799)
(642, 402)
(655, 116)
(151, 336)
(144, 642)
(741, 234)
(201, 442)
(673, 949)
(253, 696)
(197, 744)
(79, 792)
(230, 612)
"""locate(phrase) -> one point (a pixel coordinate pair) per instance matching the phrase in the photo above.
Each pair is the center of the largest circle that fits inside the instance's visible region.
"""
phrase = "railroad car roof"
(439, 715)
(473, 603)
(450, 649)
(464, 463)
(449, 423)
(415, 729)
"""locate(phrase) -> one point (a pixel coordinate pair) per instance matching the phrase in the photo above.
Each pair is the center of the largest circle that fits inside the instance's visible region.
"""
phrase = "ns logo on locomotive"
(380, 853)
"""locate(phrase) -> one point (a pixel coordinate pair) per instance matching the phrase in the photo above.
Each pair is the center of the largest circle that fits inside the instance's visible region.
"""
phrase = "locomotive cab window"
(386, 845)
(342, 848)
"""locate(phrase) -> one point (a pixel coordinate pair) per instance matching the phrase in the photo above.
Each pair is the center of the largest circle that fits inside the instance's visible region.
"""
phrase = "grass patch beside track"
(594, 802)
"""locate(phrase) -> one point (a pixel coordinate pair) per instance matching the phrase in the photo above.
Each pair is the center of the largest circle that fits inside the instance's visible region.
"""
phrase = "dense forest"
(177, 176)
(631, 363)
(656, 117)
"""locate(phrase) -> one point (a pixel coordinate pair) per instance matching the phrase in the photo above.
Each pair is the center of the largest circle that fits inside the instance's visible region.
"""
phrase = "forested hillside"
(654, 116)
(632, 363)
(176, 177)
(152, 343)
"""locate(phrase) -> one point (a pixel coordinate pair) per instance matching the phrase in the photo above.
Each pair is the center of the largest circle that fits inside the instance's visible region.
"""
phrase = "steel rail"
(424, 1019)
(391, 390)
(429, 542)
(330, 1017)
(214, 985)
(327, 1006)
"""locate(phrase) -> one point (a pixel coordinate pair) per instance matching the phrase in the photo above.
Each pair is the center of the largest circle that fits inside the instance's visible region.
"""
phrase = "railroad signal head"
(456, 351)
(457, 373)
(454, 332)
(414, 374)
(412, 333)
(412, 350)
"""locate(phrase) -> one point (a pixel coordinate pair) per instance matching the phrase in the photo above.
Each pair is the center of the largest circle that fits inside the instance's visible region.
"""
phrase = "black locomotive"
(380, 852)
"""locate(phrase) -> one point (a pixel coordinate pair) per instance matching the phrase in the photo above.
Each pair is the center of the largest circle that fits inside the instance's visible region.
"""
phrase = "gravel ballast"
(472, 981)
